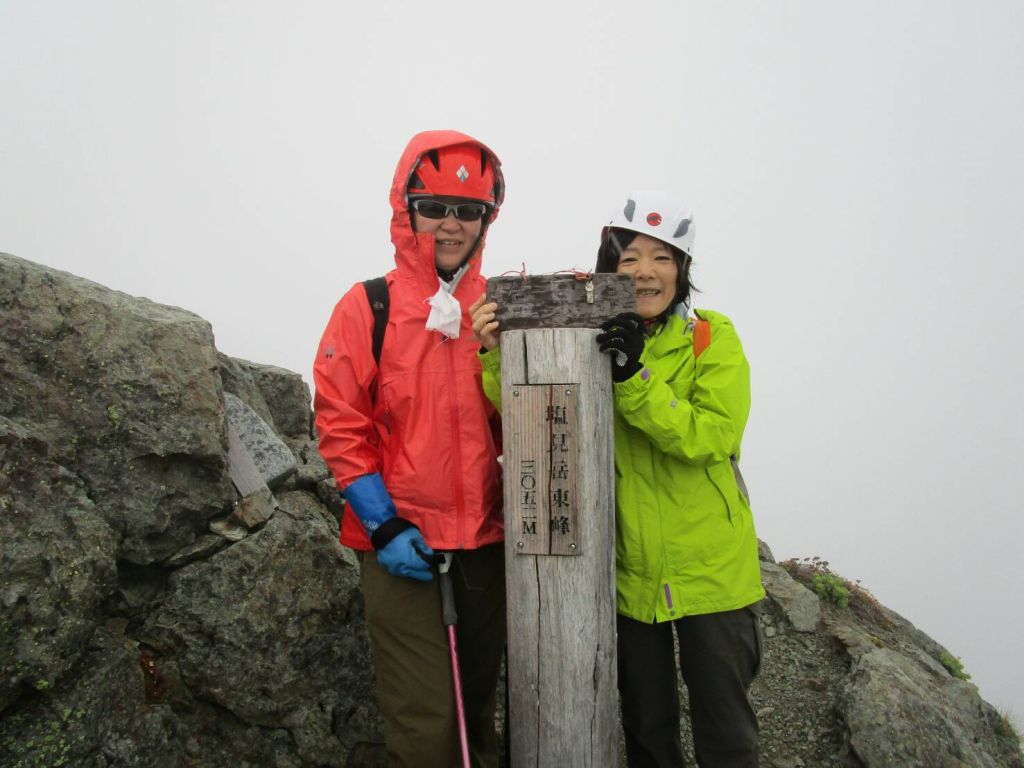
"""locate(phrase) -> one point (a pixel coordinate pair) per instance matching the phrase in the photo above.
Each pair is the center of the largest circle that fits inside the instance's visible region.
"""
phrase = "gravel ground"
(794, 696)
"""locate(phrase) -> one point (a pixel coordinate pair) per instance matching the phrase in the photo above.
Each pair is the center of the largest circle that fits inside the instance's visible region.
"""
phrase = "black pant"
(719, 656)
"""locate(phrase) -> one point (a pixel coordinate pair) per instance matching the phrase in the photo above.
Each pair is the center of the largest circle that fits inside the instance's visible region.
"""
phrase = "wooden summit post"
(559, 498)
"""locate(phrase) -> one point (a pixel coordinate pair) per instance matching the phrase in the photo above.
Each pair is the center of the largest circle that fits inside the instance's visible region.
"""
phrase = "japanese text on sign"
(541, 453)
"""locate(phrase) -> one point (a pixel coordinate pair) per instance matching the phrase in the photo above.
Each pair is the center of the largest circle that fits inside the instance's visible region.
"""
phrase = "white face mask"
(445, 310)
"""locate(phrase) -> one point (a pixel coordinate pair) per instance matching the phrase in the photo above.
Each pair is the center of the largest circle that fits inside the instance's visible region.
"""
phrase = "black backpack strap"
(380, 301)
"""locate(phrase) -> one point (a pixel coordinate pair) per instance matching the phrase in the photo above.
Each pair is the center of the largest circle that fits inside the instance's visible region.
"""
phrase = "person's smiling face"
(453, 237)
(651, 264)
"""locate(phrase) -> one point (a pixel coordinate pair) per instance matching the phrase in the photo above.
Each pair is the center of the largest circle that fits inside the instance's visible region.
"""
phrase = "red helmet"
(461, 170)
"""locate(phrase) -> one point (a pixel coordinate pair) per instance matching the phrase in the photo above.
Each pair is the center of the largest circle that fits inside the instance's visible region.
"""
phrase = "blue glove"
(400, 547)
(406, 555)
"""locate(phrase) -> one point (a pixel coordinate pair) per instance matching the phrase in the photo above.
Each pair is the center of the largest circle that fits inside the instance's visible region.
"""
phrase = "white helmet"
(658, 215)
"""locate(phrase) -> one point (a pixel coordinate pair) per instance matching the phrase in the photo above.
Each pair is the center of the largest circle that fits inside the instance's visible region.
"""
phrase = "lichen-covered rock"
(56, 566)
(272, 460)
(126, 395)
(905, 709)
(97, 718)
(270, 630)
(800, 605)
(873, 686)
(280, 397)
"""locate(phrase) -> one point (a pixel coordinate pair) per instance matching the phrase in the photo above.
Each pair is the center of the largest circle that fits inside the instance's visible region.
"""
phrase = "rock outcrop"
(136, 628)
(148, 619)
(862, 686)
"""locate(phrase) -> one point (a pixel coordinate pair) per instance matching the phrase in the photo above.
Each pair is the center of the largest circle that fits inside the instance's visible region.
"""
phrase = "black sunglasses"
(434, 209)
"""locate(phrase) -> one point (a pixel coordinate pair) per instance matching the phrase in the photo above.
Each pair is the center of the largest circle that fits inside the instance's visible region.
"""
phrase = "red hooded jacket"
(420, 418)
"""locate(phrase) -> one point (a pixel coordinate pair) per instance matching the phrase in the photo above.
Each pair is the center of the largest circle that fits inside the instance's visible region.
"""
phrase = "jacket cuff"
(490, 359)
(634, 383)
(381, 537)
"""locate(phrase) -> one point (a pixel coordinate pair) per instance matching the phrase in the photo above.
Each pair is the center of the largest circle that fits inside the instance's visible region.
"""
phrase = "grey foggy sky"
(856, 171)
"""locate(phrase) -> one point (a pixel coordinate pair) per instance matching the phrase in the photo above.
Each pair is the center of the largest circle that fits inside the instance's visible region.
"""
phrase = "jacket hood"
(414, 251)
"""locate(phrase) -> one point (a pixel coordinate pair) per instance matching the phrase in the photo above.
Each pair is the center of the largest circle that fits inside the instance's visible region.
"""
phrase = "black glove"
(624, 337)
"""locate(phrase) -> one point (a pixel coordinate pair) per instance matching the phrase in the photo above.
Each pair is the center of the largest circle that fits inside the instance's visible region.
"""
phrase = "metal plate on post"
(541, 458)
(525, 451)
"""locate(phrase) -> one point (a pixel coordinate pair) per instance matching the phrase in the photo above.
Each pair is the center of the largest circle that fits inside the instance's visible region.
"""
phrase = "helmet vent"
(457, 170)
(683, 228)
(629, 210)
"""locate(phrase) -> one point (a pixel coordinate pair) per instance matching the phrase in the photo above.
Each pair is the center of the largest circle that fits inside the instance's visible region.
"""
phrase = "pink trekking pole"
(450, 618)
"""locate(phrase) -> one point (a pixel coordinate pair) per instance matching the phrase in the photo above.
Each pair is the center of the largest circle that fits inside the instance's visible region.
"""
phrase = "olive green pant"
(410, 650)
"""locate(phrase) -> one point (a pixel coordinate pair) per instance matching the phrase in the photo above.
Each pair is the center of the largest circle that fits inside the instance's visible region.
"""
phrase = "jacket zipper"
(460, 501)
(380, 397)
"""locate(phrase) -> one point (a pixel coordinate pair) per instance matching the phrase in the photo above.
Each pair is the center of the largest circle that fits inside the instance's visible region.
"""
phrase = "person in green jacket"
(686, 549)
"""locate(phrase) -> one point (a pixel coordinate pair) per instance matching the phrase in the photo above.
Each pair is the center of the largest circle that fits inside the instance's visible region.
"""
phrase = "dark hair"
(618, 240)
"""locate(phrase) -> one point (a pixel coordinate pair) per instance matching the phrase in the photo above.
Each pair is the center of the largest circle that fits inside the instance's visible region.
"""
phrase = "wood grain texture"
(561, 610)
(559, 301)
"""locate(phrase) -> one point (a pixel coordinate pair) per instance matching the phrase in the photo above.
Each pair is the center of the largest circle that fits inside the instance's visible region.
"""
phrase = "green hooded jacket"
(685, 540)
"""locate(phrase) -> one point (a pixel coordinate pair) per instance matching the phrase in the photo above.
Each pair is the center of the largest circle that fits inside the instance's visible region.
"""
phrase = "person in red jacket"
(412, 444)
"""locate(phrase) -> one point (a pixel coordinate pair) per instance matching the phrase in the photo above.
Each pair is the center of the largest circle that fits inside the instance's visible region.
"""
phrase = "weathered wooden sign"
(560, 301)
(541, 457)
(559, 492)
